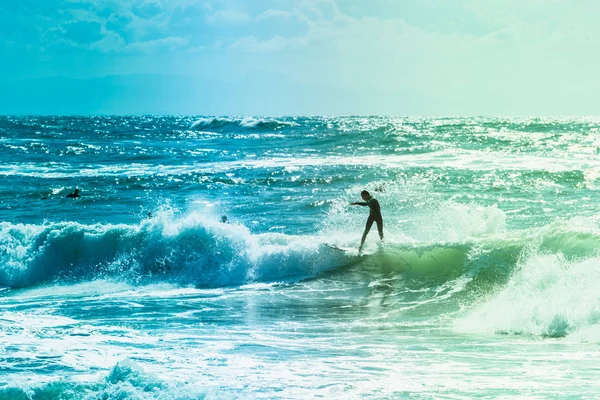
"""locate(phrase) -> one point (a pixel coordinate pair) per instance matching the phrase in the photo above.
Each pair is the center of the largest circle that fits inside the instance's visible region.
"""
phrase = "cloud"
(250, 44)
(99, 25)
(110, 43)
(274, 14)
(127, 33)
(343, 35)
(81, 31)
(151, 46)
(113, 43)
(228, 16)
(466, 47)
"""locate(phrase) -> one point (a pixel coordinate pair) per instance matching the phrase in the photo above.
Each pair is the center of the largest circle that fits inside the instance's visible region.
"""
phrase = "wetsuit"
(374, 216)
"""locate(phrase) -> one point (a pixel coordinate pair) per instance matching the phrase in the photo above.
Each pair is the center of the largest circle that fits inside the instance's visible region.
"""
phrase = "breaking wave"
(223, 124)
(189, 250)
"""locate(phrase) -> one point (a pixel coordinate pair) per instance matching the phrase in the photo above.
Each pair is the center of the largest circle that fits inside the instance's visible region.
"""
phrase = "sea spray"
(547, 296)
(553, 290)
(190, 249)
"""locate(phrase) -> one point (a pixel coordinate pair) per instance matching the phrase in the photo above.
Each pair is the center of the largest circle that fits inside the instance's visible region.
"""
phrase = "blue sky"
(274, 57)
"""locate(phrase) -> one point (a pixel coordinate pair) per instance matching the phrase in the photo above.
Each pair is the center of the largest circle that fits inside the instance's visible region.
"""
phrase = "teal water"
(486, 286)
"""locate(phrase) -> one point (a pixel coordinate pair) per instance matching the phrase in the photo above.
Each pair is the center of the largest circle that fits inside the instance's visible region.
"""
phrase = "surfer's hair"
(365, 193)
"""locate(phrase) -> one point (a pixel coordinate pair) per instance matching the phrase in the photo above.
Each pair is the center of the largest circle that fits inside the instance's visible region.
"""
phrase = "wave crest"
(191, 250)
(223, 124)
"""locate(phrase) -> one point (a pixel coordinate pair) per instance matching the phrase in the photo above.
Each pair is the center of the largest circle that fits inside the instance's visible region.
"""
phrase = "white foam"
(194, 248)
(472, 160)
(547, 296)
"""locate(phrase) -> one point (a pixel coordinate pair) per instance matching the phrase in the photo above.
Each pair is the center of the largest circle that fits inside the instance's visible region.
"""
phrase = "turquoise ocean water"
(487, 285)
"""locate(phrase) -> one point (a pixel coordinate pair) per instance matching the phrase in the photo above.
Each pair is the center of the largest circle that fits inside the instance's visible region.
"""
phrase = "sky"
(300, 57)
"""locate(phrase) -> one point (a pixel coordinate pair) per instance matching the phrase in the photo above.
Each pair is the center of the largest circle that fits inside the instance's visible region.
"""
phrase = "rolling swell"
(191, 250)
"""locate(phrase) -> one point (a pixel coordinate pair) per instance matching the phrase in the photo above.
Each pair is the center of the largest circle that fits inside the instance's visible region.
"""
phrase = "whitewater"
(487, 284)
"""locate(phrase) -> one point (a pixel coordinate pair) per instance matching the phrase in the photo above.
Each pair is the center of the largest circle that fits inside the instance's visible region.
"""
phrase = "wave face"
(548, 296)
(551, 291)
(188, 250)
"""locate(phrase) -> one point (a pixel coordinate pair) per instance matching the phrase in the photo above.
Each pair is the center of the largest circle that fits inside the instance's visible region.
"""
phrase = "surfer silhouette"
(75, 194)
(374, 215)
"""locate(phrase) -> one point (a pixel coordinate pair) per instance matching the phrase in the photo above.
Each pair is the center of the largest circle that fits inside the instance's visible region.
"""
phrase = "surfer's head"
(365, 195)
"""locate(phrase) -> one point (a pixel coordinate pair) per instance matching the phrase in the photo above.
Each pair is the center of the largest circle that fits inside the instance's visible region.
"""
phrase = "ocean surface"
(487, 284)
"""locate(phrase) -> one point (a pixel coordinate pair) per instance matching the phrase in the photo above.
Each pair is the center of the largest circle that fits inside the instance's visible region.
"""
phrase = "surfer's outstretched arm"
(359, 203)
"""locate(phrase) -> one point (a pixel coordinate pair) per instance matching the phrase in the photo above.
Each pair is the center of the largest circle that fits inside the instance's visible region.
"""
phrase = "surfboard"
(339, 248)
(349, 251)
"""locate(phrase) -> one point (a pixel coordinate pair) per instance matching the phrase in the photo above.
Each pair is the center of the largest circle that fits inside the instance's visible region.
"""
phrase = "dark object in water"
(75, 194)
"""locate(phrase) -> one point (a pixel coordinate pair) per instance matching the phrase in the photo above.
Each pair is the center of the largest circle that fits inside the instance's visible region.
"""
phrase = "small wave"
(222, 124)
(126, 380)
